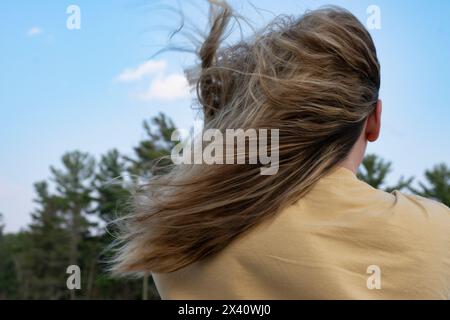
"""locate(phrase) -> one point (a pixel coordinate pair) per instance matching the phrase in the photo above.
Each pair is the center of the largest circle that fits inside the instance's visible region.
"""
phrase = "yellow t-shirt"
(343, 240)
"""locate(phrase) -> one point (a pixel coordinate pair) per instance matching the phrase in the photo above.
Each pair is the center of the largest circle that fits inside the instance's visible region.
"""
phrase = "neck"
(355, 157)
(350, 165)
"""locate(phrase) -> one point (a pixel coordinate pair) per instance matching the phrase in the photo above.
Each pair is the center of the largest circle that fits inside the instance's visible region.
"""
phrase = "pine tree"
(374, 171)
(111, 197)
(8, 276)
(437, 184)
(2, 225)
(73, 184)
(14, 282)
(110, 185)
(47, 253)
(152, 155)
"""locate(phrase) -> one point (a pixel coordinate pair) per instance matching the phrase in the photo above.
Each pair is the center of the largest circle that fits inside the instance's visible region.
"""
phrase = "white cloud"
(34, 31)
(168, 88)
(161, 86)
(147, 68)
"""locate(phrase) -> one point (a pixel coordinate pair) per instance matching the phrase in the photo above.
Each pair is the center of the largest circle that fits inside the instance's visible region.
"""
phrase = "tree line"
(83, 195)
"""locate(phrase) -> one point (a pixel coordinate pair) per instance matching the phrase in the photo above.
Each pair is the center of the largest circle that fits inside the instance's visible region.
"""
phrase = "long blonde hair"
(315, 78)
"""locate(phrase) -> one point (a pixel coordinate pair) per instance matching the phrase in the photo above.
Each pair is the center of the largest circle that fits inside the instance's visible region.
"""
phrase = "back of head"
(315, 78)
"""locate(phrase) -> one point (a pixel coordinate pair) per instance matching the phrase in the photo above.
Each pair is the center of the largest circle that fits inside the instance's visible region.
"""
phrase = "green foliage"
(374, 171)
(152, 155)
(47, 253)
(10, 265)
(110, 185)
(83, 196)
(437, 184)
(2, 226)
(69, 224)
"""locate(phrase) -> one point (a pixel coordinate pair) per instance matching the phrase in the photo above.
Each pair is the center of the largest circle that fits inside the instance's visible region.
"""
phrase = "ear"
(373, 126)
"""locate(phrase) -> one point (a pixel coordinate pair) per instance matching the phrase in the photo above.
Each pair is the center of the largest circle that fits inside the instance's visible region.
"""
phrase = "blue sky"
(90, 89)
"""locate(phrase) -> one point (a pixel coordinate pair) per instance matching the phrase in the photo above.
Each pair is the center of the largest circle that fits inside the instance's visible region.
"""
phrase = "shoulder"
(422, 208)
(423, 222)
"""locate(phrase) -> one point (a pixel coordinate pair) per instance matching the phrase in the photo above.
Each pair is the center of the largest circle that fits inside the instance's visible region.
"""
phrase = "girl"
(312, 230)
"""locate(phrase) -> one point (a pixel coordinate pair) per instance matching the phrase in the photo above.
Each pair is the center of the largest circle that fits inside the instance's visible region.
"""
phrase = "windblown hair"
(316, 78)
